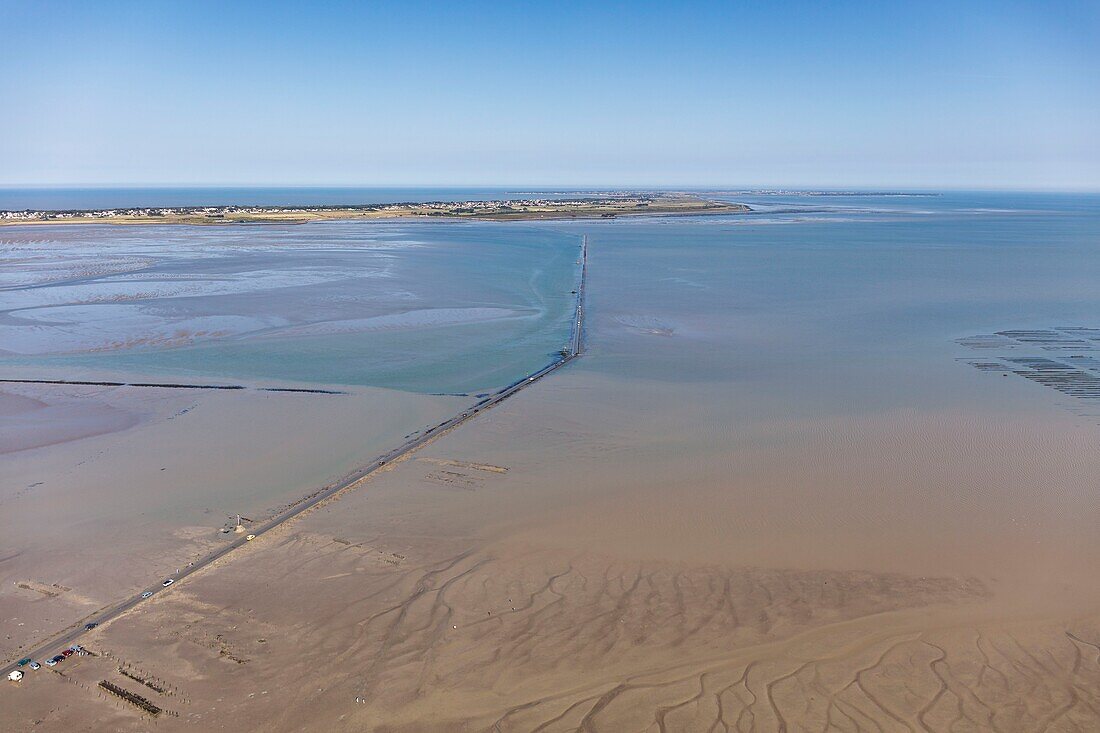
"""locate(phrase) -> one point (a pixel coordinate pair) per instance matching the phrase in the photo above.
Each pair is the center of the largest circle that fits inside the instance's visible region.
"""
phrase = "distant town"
(607, 206)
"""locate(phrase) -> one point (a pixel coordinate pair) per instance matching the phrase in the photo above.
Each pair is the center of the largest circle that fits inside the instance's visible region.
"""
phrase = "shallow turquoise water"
(456, 307)
(821, 302)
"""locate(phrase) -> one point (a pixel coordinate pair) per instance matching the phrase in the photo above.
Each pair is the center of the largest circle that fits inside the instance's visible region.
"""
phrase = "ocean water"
(865, 295)
(772, 324)
(856, 383)
(425, 307)
(899, 385)
(850, 302)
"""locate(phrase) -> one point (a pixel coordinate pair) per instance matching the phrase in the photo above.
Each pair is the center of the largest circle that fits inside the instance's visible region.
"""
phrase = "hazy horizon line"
(544, 187)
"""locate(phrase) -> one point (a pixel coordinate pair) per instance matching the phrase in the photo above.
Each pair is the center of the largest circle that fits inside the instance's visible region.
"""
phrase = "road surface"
(70, 635)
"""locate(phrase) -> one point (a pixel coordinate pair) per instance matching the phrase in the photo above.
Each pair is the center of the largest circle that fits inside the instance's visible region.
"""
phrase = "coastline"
(498, 210)
(752, 492)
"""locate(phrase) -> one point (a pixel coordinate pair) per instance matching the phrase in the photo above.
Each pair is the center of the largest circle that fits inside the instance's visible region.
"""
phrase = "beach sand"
(769, 497)
(566, 593)
(135, 481)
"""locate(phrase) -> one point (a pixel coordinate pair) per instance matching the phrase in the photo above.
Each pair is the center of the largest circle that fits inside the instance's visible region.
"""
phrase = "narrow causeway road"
(574, 349)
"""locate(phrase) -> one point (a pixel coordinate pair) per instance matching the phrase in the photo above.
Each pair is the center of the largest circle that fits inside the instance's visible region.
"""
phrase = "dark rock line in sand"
(169, 385)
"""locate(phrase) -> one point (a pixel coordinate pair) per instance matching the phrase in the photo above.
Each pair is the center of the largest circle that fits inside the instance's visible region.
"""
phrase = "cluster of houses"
(433, 207)
(469, 207)
(33, 215)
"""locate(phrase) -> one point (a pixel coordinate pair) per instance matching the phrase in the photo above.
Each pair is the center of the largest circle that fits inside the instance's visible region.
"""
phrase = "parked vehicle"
(35, 665)
(52, 662)
(23, 662)
(67, 653)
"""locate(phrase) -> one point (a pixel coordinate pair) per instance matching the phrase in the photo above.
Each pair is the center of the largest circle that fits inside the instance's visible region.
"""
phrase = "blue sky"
(876, 94)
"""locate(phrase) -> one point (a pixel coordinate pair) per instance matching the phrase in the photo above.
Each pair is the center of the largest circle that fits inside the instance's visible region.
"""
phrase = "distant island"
(594, 207)
(801, 192)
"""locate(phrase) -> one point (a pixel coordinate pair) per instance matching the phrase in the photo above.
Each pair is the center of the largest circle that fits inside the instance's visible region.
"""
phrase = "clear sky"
(858, 94)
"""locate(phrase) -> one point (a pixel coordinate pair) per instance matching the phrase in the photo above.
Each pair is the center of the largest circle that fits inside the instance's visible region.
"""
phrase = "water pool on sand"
(421, 307)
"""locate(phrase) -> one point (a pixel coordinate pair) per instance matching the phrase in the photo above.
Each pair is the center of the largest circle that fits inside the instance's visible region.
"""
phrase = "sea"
(828, 300)
(876, 382)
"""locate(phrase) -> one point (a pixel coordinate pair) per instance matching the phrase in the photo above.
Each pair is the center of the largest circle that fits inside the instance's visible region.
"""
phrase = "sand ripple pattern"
(961, 681)
(590, 644)
(504, 640)
(646, 647)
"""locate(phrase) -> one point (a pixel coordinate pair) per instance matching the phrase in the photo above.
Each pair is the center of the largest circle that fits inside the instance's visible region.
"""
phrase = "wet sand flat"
(136, 503)
(136, 481)
(33, 423)
(426, 601)
(773, 495)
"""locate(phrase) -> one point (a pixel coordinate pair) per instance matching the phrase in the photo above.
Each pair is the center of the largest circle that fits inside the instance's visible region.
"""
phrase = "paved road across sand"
(70, 635)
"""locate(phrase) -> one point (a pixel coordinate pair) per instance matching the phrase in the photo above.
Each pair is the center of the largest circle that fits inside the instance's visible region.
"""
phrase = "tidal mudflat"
(369, 334)
(775, 494)
(422, 308)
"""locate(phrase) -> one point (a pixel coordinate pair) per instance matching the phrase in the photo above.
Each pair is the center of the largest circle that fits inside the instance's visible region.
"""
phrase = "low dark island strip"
(607, 206)
(167, 385)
